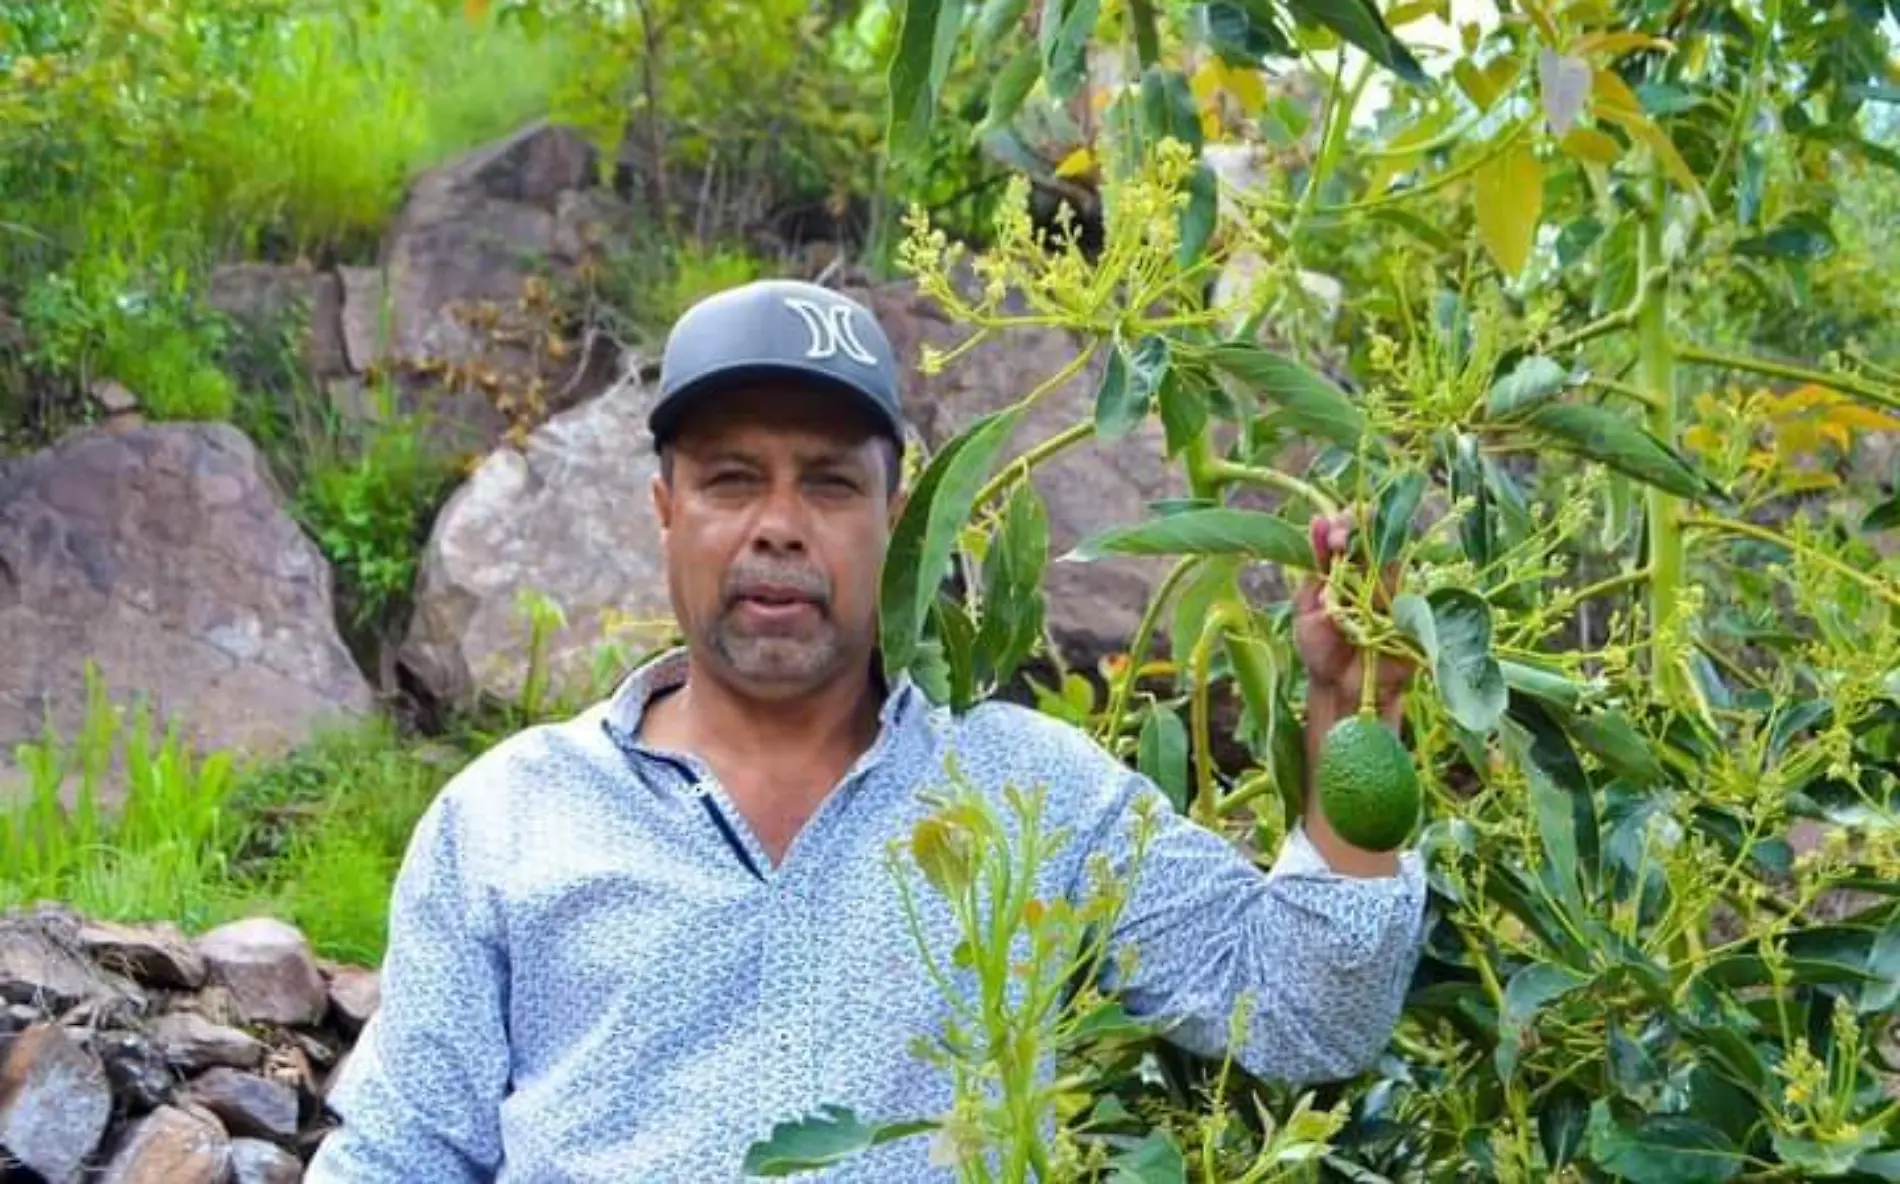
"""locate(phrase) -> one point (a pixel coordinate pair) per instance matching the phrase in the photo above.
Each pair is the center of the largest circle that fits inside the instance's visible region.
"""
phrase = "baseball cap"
(777, 330)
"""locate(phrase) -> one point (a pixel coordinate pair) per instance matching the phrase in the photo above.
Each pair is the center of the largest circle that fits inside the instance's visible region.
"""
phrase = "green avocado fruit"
(1367, 786)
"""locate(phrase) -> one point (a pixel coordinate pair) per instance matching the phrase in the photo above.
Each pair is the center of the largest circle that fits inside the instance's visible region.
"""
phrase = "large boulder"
(463, 304)
(163, 554)
(568, 517)
(1093, 608)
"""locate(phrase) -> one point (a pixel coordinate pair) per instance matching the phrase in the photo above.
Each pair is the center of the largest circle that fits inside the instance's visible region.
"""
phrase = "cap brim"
(666, 415)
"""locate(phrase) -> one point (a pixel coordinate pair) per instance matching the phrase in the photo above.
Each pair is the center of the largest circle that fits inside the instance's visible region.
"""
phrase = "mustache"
(754, 578)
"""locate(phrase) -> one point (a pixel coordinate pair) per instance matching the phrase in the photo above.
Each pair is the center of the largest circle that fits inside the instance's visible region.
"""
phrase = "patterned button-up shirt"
(594, 972)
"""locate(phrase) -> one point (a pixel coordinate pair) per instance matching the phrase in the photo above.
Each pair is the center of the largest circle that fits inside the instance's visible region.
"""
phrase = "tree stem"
(1763, 534)
(1219, 472)
(1846, 384)
(1657, 369)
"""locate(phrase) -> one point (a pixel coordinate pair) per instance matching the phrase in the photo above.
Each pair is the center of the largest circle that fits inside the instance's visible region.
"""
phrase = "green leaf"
(1010, 87)
(1162, 754)
(1312, 404)
(1613, 739)
(1221, 531)
(1508, 192)
(828, 1137)
(1633, 1070)
(1066, 26)
(1154, 1160)
(919, 553)
(1392, 523)
(1147, 38)
(1360, 23)
(1602, 435)
(1528, 992)
(996, 18)
(1832, 1158)
(1013, 608)
(926, 42)
(1561, 1120)
(1183, 411)
(1532, 381)
(1551, 801)
(1661, 1148)
(1468, 676)
(1216, 581)
(1467, 482)
(1234, 34)
(1128, 386)
(1884, 516)
(1882, 1165)
(956, 635)
(1168, 107)
(1548, 685)
(1803, 235)
(1197, 216)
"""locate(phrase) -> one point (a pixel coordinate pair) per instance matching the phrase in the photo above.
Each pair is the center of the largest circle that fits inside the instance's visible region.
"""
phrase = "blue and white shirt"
(595, 974)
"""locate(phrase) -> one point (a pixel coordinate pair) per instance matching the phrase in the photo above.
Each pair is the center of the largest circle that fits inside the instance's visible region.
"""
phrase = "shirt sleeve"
(1323, 959)
(420, 1096)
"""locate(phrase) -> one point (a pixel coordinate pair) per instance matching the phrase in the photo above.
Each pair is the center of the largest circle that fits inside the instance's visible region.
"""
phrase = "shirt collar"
(627, 705)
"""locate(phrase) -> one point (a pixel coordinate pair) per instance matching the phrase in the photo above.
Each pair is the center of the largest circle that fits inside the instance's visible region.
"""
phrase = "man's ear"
(662, 504)
(898, 501)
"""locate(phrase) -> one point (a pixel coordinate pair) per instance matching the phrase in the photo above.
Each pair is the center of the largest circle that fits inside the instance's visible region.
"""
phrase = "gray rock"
(254, 1161)
(136, 1065)
(462, 276)
(265, 297)
(248, 1105)
(191, 1042)
(268, 968)
(567, 516)
(156, 955)
(355, 994)
(55, 1102)
(171, 1145)
(163, 554)
(41, 963)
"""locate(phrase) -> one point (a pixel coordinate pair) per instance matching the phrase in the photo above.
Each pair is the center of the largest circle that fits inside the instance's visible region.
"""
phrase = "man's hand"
(1335, 670)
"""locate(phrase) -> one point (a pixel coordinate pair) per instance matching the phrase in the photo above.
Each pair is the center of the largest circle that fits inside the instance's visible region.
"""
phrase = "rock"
(171, 1146)
(567, 516)
(263, 297)
(55, 1102)
(355, 993)
(1092, 608)
(247, 1104)
(467, 269)
(136, 1065)
(157, 955)
(41, 964)
(254, 1161)
(163, 554)
(114, 397)
(269, 970)
(192, 1043)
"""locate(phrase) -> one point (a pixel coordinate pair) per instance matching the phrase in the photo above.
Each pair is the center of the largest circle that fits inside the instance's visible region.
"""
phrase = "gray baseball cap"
(777, 330)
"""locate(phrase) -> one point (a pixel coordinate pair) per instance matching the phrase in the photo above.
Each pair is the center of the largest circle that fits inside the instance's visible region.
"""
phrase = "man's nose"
(781, 524)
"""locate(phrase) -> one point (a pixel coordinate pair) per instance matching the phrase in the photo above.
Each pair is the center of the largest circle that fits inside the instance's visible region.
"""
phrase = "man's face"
(775, 524)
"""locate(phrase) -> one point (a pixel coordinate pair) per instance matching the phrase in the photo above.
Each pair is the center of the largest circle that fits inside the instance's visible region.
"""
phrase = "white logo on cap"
(831, 330)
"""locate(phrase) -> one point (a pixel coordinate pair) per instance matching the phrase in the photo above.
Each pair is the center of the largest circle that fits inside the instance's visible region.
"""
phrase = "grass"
(314, 838)
(248, 135)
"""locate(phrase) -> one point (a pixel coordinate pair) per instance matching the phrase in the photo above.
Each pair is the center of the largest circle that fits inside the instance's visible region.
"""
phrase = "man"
(624, 945)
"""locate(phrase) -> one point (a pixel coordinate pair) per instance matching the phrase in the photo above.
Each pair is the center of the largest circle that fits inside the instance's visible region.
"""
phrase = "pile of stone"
(135, 1055)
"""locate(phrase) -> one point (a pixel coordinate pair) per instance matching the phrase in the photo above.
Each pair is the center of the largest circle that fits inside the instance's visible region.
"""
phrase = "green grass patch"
(314, 838)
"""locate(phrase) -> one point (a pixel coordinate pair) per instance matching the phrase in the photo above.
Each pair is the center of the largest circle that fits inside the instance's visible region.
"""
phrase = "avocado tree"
(1656, 729)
